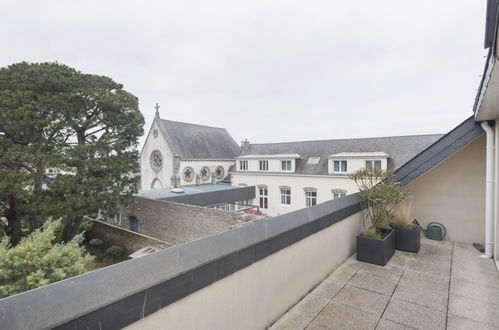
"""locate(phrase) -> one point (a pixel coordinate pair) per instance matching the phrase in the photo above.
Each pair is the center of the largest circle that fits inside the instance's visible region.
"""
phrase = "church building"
(177, 154)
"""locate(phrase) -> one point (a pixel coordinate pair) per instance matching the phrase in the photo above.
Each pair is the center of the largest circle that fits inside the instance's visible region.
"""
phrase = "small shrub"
(403, 214)
(38, 260)
(371, 233)
(115, 251)
(96, 242)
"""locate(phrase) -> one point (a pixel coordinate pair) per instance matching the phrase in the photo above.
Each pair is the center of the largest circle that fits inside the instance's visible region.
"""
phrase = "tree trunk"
(14, 219)
(71, 228)
(34, 217)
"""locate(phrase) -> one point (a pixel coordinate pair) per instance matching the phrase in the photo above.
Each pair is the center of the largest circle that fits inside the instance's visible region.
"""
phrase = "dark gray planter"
(408, 239)
(376, 251)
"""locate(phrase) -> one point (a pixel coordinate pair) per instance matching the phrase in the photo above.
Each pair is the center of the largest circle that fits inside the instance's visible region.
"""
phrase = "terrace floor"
(444, 286)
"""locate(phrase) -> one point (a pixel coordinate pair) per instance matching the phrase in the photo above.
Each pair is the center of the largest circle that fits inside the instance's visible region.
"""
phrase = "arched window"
(156, 184)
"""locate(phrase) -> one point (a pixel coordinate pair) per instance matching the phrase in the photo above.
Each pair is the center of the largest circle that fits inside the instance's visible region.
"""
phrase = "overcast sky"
(269, 70)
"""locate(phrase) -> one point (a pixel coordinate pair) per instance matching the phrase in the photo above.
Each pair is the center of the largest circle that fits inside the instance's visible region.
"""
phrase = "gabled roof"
(400, 149)
(191, 141)
(439, 151)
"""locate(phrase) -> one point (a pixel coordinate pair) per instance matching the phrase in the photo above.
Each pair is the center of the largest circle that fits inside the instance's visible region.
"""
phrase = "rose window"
(219, 172)
(156, 160)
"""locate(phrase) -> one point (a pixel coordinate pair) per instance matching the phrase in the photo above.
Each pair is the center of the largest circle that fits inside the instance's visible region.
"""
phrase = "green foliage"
(96, 242)
(37, 260)
(371, 233)
(380, 195)
(54, 117)
(115, 251)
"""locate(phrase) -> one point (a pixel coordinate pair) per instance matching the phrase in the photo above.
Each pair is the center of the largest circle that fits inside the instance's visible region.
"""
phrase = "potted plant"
(380, 194)
(407, 233)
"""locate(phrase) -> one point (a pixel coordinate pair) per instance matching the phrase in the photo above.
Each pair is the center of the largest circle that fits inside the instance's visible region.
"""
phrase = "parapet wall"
(251, 275)
(130, 241)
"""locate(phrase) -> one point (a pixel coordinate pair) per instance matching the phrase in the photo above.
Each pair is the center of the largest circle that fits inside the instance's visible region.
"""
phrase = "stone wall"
(128, 240)
(180, 223)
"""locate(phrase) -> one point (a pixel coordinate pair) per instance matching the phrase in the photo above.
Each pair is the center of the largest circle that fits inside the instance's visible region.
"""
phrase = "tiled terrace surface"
(444, 286)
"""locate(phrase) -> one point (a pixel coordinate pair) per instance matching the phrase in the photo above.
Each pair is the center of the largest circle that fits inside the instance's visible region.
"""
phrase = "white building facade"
(291, 176)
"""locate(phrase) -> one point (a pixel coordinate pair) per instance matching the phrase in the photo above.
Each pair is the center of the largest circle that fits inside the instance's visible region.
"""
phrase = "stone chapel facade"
(177, 154)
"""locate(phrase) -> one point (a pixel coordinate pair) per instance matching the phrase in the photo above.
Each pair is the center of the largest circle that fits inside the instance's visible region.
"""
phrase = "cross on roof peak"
(157, 109)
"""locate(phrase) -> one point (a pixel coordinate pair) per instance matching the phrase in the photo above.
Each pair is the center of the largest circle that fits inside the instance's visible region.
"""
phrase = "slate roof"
(400, 148)
(193, 141)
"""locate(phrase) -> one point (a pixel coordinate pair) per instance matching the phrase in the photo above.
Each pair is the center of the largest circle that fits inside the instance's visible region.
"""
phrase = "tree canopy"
(37, 260)
(68, 142)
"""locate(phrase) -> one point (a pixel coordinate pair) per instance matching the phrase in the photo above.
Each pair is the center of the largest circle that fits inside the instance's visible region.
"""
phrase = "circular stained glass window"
(188, 174)
(219, 173)
(156, 160)
(205, 173)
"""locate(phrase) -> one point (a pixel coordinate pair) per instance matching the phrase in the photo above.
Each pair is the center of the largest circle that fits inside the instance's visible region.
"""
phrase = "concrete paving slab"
(362, 299)
(385, 324)
(474, 310)
(327, 289)
(434, 258)
(309, 307)
(473, 262)
(475, 276)
(458, 323)
(414, 316)
(291, 322)
(393, 272)
(423, 289)
(372, 282)
(400, 259)
(474, 291)
(429, 268)
(338, 316)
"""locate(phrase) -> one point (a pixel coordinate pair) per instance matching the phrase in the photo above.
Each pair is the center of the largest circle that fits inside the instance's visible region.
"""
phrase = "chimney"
(245, 144)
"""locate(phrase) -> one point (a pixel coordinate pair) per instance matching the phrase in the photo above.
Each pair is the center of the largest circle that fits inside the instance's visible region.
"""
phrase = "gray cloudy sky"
(269, 70)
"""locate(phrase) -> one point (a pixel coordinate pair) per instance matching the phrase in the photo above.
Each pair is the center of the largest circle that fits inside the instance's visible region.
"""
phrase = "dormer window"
(243, 165)
(373, 164)
(340, 166)
(264, 165)
(286, 165)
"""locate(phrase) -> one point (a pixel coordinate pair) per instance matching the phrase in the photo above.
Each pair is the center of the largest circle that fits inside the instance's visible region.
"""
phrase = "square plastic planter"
(374, 250)
(408, 239)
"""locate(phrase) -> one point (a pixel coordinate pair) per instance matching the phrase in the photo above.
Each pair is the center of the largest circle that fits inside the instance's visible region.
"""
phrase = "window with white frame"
(373, 164)
(337, 193)
(310, 198)
(264, 197)
(286, 165)
(264, 165)
(243, 165)
(285, 196)
(340, 166)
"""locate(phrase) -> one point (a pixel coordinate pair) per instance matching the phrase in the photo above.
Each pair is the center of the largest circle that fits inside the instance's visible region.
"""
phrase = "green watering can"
(435, 231)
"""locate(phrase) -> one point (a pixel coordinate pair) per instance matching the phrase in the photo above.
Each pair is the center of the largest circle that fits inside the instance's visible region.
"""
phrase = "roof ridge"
(359, 138)
(181, 122)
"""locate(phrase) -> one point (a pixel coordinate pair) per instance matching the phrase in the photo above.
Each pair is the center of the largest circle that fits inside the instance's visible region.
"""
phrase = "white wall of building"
(148, 175)
(274, 165)
(297, 183)
(355, 164)
(197, 165)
